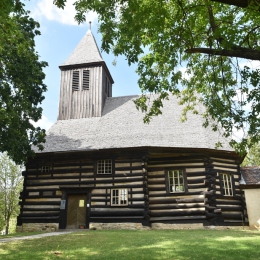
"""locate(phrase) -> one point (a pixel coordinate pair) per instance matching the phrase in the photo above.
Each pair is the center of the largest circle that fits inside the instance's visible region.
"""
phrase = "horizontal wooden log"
(196, 186)
(227, 167)
(178, 213)
(233, 198)
(127, 213)
(180, 200)
(43, 215)
(156, 182)
(90, 177)
(128, 168)
(130, 206)
(42, 209)
(183, 219)
(162, 189)
(129, 160)
(162, 168)
(42, 196)
(228, 202)
(176, 206)
(46, 203)
(40, 219)
(199, 181)
(232, 216)
(90, 182)
(124, 219)
(231, 208)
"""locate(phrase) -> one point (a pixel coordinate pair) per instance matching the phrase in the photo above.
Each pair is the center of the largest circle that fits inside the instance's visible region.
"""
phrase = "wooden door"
(76, 212)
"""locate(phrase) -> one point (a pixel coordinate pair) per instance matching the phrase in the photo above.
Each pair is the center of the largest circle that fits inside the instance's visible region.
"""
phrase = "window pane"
(119, 197)
(226, 180)
(104, 167)
(176, 181)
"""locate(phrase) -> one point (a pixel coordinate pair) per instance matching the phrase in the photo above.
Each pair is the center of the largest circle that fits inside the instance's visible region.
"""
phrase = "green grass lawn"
(133, 244)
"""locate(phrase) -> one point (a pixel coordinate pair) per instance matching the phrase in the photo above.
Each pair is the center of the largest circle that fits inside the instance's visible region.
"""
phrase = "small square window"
(81, 203)
(227, 186)
(45, 168)
(119, 197)
(176, 181)
(104, 167)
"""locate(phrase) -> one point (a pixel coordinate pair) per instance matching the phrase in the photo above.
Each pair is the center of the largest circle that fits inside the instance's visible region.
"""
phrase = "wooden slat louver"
(85, 82)
(75, 80)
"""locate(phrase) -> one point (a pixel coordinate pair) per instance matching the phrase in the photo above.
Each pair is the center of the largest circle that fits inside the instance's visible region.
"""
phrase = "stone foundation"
(31, 227)
(159, 226)
(50, 227)
(177, 226)
(134, 226)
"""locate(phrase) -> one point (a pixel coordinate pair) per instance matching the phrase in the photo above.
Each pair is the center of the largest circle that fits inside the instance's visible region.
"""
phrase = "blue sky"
(60, 34)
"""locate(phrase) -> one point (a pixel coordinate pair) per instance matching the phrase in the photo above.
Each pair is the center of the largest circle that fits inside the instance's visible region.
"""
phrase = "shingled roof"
(86, 51)
(121, 126)
(250, 176)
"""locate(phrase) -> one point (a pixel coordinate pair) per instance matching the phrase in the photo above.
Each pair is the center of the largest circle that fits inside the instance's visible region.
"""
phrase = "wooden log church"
(102, 167)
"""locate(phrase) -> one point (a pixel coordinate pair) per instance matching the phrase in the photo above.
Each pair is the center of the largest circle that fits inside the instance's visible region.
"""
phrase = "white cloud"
(46, 9)
(43, 123)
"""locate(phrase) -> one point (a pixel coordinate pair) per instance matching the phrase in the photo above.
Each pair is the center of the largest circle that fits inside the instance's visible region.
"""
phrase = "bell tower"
(85, 81)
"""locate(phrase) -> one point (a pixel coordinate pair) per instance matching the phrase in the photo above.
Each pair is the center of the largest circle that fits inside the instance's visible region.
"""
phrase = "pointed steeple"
(85, 81)
(86, 51)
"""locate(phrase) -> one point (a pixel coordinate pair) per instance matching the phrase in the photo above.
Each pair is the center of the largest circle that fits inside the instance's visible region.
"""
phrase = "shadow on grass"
(126, 244)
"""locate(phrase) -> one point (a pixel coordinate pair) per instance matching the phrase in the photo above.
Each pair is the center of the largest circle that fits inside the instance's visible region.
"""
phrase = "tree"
(194, 49)
(21, 82)
(10, 187)
(253, 156)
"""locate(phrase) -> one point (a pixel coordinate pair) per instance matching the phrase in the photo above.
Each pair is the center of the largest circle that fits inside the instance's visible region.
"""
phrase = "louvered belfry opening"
(75, 80)
(84, 74)
(85, 80)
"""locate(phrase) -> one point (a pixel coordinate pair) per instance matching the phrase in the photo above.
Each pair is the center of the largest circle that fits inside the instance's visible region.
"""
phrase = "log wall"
(145, 178)
(183, 207)
(43, 191)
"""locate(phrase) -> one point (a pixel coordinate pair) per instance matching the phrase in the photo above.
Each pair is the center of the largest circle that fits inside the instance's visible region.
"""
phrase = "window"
(176, 181)
(45, 168)
(75, 80)
(85, 80)
(119, 197)
(104, 167)
(226, 180)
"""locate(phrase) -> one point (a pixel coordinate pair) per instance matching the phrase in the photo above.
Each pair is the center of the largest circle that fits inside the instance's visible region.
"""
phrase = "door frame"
(63, 211)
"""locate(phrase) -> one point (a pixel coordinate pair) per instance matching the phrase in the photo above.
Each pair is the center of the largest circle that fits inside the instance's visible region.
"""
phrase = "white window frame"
(227, 184)
(105, 166)
(119, 197)
(45, 168)
(176, 181)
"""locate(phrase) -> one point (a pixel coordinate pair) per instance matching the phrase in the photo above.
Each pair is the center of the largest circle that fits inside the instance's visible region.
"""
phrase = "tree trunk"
(7, 226)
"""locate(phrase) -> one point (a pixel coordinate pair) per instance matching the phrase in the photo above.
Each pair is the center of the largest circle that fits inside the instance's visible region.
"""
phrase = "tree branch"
(236, 52)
